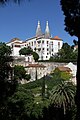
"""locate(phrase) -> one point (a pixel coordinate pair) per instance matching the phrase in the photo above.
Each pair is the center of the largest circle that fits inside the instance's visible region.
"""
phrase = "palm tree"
(62, 95)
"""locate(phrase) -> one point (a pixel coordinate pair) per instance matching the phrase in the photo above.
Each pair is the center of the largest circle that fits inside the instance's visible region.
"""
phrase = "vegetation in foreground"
(51, 97)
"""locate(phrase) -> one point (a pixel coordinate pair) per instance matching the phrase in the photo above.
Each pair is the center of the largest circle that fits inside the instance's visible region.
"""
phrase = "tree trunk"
(78, 83)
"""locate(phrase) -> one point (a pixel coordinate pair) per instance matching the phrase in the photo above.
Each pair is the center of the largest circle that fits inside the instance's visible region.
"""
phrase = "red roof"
(65, 69)
(35, 65)
(56, 38)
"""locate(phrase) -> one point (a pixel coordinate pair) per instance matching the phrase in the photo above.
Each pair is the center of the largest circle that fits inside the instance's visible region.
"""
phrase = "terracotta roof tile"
(65, 69)
(56, 38)
(35, 65)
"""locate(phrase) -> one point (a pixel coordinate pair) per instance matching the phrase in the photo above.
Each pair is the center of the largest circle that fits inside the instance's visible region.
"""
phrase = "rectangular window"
(34, 42)
(52, 50)
(47, 42)
(43, 42)
(47, 49)
(58, 45)
(39, 42)
(43, 49)
(17, 46)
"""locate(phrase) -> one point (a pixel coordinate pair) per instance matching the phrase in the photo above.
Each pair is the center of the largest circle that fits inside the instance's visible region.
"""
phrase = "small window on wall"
(39, 42)
(17, 46)
(43, 49)
(43, 42)
(52, 50)
(58, 45)
(32, 43)
(52, 43)
(47, 49)
(47, 42)
(46, 56)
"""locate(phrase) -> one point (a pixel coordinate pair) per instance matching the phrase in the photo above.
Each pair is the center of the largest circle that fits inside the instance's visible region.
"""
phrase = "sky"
(21, 20)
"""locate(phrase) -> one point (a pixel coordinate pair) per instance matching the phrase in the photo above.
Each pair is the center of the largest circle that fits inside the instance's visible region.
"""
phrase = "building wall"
(44, 47)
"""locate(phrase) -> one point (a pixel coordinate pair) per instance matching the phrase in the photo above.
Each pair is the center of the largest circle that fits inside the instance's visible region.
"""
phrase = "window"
(58, 45)
(43, 42)
(47, 53)
(17, 46)
(47, 49)
(47, 45)
(39, 42)
(39, 49)
(32, 43)
(43, 49)
(47, 42)
(52, 43)
(46, 56)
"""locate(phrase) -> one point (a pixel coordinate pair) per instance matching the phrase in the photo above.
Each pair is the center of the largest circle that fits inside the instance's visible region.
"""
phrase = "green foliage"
(62, 95)
(36, 56)
(27, 102)
(27, 77)
(71, 9)
(62, 75)
(20, 104)
(65, 54)
(20, 73)
(7, 84)
(4, 49)
(5, 60)
(75, 42)
(25, 51)
(28, 51)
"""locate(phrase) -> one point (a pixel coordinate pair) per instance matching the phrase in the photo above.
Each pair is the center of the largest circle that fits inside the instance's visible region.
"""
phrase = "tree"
(25, 51)
(7, 84)
(35, 56)
(75, 42)
(71, 10)
(20, 105)
(5, 59)
(27, 77)
(66, 54)
(62, 95)
(20, 73)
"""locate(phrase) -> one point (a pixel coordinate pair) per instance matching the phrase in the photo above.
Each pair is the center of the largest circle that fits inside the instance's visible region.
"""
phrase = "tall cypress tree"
(71, 10)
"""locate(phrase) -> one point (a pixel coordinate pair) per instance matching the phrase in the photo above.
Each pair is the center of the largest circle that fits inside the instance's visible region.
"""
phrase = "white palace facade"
(43, 44)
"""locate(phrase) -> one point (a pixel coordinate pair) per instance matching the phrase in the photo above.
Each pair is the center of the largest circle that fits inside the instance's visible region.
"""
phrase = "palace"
(43, 44)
